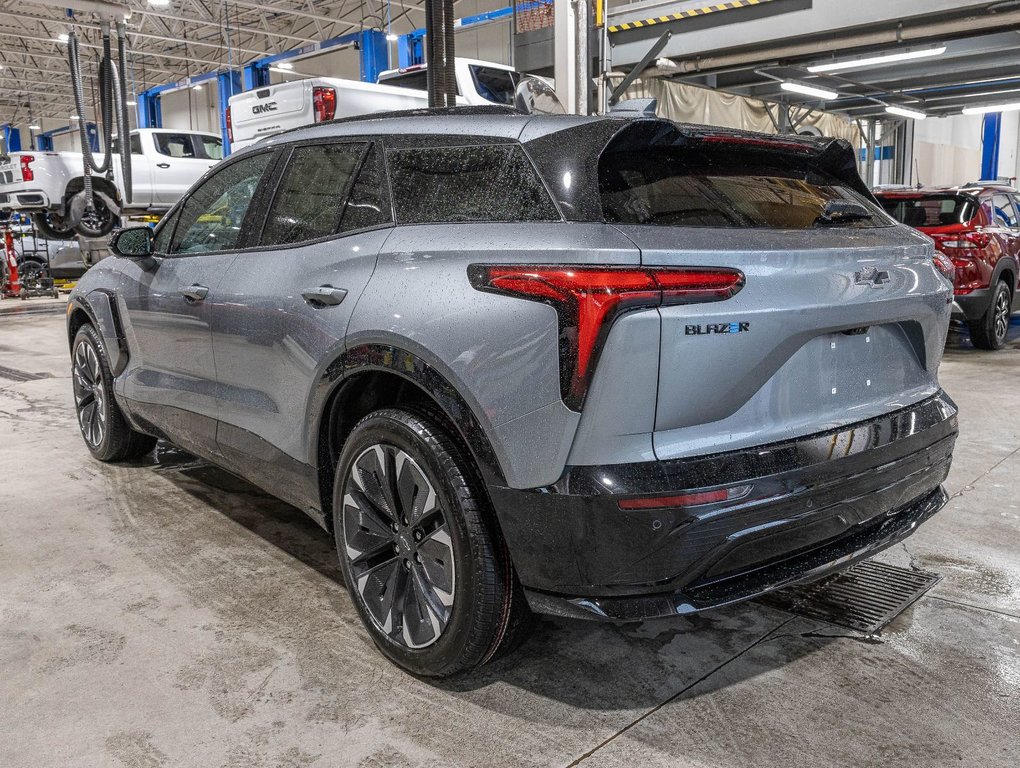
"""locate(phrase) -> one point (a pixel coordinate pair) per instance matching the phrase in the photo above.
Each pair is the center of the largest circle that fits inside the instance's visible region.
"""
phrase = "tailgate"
(266, 109)
(833, 326)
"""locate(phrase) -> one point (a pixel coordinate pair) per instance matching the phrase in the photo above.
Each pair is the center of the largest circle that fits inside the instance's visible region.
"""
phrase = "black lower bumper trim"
(859, 543)
(573, 539)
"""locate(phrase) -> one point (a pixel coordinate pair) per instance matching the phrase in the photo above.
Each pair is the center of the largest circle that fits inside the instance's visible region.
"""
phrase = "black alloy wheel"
(991, 329)
(398, 542)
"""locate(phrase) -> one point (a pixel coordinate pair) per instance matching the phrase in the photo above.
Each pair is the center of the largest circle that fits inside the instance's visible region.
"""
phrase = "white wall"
(947, 150)
(1009, 145)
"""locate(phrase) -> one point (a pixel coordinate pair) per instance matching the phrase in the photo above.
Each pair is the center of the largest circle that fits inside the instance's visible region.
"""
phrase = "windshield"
(931, 210)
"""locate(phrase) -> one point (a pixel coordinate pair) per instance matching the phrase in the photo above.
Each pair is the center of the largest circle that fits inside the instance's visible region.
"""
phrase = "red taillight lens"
(945, 265)
(964, 240)
(27, 174)
(324, 103)
(230, 127)
(692, 499)
(588, 299)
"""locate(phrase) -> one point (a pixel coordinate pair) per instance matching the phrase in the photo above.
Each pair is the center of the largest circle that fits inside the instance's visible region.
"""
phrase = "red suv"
(979, 229)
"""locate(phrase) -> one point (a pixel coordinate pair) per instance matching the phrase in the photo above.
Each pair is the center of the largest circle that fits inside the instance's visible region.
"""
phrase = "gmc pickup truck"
(49, 185)
(262, 112)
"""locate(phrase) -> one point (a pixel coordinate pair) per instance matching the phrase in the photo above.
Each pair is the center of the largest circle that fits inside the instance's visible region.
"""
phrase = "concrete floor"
(165, 614)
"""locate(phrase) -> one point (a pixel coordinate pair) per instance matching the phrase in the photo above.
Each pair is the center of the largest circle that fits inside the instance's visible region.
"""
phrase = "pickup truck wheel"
(107, 434)
(98, 222)
(421, 555)
(52, 227)
(990, 330)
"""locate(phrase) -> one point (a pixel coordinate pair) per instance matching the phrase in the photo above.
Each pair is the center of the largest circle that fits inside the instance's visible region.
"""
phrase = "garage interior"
(163, 612)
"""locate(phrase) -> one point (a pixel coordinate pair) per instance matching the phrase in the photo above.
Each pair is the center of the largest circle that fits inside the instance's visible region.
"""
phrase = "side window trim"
(258, 212)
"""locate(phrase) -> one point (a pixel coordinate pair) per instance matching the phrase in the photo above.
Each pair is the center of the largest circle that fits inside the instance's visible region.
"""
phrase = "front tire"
(991, 329)
(420, 551)
(103, 426)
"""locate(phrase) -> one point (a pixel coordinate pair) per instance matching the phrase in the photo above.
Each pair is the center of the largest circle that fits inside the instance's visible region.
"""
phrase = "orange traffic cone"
(13, 286)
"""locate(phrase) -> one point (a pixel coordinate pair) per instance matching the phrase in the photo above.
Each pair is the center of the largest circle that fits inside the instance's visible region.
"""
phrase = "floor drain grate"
(15, 375)
(864, 597)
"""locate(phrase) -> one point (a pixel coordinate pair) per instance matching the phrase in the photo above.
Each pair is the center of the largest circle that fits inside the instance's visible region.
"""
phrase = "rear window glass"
(417, 80)
(310, 199)
(478, 183)
(936, 210)
(725, 187)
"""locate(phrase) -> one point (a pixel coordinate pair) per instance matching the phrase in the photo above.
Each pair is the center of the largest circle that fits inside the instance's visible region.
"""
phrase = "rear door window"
(494, 84)
(471, 183)
(309, 202)
(1002, 209)
(189, 145)
(676, 186)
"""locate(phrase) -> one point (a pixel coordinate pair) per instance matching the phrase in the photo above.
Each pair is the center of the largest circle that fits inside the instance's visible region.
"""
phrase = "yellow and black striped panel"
(687, 14)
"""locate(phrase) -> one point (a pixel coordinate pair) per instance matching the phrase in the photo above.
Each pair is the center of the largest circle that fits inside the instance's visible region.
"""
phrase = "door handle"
(194, 293)
(162, 165)
(324, 296)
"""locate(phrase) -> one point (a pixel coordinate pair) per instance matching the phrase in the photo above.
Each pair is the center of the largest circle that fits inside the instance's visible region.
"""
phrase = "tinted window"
(212, 216)
(724, 187)
(482, 183)
(417, 80)
(1002, 207)
(189, 145)
(135, 141)
(935, 210)
(496, 85)
(310, 199)
(368, 204)
(161, 243)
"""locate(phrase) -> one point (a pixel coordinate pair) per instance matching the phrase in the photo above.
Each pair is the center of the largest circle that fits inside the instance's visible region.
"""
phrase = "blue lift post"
(44, 140)
(990, 134)
(12, 138)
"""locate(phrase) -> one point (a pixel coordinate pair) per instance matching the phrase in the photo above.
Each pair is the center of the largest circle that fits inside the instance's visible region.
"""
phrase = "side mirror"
(132, 242)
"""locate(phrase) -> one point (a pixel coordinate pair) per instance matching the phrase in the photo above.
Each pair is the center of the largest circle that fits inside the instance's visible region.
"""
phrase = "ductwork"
(441, 75)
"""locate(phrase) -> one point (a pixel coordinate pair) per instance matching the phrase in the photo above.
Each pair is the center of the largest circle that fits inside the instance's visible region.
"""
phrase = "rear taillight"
(324, 103)
(27, 174)
(964, 240)
(945, 265)
(230, 127)
(588, 299)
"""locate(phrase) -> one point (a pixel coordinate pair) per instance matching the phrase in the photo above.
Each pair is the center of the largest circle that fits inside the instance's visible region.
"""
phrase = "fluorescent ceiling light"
(904, 112)
(131, 103)
(35, 127)
(283, 65)
(392, 37)
(283, 71)
(992, 108)
(75, 117)
(159, 3)
(63, 37)
(871, 61)
(196, 87)
(809, 90)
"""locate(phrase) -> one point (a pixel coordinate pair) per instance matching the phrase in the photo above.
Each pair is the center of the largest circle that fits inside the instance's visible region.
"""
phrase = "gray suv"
(599, 367)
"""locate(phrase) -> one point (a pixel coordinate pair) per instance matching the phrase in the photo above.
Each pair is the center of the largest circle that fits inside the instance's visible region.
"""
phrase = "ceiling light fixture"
(872, 61)
(904, 112)
(159, 3)
(131, 103)
(808, 90)
(63, 37)
(284, 65)
(992, 108)
(392, 37)
(34, 127)
(75, 117)
(196, 87)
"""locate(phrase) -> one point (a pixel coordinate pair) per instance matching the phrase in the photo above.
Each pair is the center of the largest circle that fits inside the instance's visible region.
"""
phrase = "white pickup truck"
(49, 185)
(262, 112)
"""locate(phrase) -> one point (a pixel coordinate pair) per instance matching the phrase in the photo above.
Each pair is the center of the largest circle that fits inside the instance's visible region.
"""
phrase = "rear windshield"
(933, 210)
(476, 183)
(726, 187)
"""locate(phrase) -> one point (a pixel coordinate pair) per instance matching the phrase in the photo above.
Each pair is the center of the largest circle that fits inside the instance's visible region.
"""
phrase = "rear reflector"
(588, 299)
(695, 499)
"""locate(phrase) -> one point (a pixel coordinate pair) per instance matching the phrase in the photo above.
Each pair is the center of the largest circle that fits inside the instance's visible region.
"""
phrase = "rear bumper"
(973, 305)
(815, 506)
(25, 199)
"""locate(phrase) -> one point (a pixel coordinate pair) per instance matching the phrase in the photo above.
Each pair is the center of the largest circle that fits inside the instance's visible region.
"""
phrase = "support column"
(255, 75)
(227, 84)
(410, 50)
(565, 53)
(150, 112)
(374, 56)
(990, 135)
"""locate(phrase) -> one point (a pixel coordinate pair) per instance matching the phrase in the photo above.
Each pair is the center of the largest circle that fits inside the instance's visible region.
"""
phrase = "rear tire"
(98, 222)
(103, 426)
(422, 556)
(52, 227)
(991, 329)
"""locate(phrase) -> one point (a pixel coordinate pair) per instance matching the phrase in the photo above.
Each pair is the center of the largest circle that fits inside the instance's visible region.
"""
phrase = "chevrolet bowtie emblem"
(876, 278)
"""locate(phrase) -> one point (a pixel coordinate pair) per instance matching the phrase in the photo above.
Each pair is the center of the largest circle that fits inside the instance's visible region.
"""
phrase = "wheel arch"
(372, 376)
(99, 308)
(99, 183)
